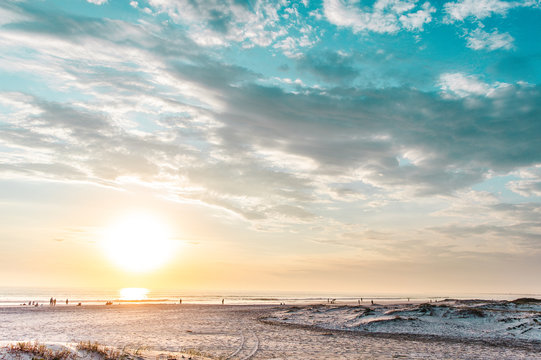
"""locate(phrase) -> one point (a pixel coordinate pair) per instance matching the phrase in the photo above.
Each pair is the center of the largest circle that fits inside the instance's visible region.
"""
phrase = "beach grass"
(94, 350)
(41, 351)
(104, 352)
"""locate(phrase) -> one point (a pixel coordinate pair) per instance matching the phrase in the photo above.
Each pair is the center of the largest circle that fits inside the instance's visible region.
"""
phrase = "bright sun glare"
(138, 243)
(130, 294)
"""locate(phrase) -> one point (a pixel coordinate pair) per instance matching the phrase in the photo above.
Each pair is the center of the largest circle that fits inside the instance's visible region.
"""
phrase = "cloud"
(526, 188)
(386, 16)
(11, 14)
(416, 20)
(97, 2)
(292, 47)
(479, 39)
(167, 115)
(217, 23)
(333, 67)
(529, 183)
(463, 85)
(480, 9)
(511, 228)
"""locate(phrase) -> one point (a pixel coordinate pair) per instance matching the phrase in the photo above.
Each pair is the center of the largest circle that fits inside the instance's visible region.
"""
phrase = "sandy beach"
(233, 332)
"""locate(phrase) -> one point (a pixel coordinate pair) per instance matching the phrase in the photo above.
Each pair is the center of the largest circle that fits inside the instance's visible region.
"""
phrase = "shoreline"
(295, 302)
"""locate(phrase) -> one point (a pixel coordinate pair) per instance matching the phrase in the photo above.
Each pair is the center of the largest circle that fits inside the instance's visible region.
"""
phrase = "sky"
(335, 145)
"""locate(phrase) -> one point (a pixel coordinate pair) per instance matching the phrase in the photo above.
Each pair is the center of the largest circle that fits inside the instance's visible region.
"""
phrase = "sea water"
(17, 296)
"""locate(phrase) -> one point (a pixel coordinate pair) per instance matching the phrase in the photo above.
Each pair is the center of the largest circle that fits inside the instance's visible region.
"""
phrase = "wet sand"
(234, 332)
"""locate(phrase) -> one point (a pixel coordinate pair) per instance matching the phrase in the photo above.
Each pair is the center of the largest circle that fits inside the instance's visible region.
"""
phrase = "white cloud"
(461, 85)
(97, 2)
(134, 4)
(9, 16)
(291, 46)
(219, 22)
(479, 39)
(480, 9)
(386, 16)
(529, 183)
(416, 20)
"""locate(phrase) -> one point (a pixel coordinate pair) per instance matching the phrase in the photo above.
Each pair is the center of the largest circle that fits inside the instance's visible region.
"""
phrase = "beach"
(236, 332)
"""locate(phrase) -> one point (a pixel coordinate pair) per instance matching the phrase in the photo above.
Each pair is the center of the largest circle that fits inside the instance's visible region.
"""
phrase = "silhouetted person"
(180, 301)
(372, 302)
(67, 301)
(223, 301)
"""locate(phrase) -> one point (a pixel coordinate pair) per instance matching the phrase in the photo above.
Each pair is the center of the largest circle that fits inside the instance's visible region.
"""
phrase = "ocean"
(16, 296)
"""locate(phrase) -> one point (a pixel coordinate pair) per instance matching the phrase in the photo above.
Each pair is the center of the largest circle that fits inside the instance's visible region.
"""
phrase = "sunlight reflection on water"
(133, 294)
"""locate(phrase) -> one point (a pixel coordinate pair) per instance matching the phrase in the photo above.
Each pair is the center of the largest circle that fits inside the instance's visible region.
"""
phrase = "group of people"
(52, 302)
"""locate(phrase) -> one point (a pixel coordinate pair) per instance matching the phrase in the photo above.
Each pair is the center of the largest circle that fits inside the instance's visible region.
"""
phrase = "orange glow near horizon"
(138, 243)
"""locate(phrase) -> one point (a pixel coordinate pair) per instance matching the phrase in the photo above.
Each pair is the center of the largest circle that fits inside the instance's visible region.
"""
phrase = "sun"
(138, 243)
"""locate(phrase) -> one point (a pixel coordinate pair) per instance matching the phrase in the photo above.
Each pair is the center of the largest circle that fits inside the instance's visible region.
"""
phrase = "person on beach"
(223, 301)
(67, 301)
(51, 302)
(180, 301)
(372, 302)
